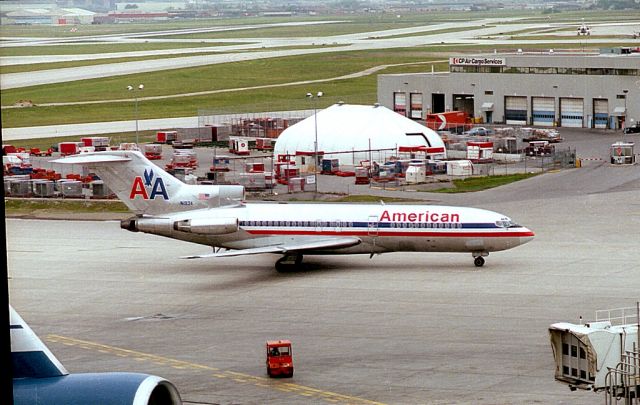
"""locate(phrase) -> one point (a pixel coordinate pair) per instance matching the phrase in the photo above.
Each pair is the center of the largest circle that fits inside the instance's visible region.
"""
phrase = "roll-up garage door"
(515, 110)
(600, 113)
(571, 114)
(543, 111)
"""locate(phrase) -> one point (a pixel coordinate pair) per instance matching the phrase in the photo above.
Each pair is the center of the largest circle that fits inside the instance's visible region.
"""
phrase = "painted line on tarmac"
(241, 378)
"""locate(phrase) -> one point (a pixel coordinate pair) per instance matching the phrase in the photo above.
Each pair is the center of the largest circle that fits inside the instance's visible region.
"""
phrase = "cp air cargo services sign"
(475, 61)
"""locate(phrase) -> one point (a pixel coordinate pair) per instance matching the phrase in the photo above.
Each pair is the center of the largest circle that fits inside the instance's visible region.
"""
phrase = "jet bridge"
(600, 355)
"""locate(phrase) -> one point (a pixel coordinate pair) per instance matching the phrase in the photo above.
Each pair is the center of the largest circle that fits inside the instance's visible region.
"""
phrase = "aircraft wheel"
(479, 261)
(288, 263)
(281, 267)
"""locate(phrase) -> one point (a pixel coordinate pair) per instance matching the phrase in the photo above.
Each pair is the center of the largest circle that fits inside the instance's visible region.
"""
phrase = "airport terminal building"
(564, 89)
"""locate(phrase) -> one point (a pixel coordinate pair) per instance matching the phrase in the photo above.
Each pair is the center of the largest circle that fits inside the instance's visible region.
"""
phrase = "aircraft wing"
(320, 243)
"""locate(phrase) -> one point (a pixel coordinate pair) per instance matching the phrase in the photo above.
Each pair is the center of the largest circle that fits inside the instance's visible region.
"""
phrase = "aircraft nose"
(527, 235)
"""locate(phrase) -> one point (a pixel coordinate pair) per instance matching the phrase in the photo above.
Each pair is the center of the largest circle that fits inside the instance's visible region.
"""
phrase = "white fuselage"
(381, 228)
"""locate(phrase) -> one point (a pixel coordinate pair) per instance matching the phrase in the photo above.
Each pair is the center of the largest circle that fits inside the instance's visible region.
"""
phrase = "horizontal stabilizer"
(91, 158)
(325, 243)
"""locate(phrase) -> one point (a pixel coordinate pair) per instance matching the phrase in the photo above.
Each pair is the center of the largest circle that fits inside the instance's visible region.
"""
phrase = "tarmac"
(400, 328)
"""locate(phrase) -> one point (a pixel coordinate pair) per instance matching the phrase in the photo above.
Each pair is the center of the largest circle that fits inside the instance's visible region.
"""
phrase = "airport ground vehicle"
(479, 131)
(279, 358)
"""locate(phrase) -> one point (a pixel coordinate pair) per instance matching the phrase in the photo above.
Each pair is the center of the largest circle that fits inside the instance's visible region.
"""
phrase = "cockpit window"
(506, 223)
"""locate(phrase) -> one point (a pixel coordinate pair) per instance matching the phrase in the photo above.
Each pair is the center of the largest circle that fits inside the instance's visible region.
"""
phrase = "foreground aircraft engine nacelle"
(40, 379)
(208, 226)
(97, 388)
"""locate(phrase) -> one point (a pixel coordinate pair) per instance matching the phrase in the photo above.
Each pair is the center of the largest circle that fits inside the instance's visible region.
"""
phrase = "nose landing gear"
(478, 258)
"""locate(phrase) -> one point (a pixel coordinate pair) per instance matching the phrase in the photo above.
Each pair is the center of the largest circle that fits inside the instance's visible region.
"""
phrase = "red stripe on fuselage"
(447, 234)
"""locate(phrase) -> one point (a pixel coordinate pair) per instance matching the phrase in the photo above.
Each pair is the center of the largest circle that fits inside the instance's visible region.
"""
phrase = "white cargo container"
(416, 174)
(459, 168)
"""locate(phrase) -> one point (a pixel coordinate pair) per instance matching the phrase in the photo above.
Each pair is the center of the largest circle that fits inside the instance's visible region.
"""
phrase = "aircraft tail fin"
(30, 357)
(147, 189)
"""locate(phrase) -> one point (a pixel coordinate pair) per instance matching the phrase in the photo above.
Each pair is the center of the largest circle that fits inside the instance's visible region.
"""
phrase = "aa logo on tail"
(148, 189)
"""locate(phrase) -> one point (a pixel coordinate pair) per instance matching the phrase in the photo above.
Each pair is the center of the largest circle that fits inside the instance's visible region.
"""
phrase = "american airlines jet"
(217, 216)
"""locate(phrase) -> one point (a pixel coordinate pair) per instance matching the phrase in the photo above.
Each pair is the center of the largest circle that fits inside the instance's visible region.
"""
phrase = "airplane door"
(319, 225)
(372, 226)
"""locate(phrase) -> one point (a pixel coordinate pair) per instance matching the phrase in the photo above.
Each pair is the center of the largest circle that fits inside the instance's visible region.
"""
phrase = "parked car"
(479, 131)
(632, 129)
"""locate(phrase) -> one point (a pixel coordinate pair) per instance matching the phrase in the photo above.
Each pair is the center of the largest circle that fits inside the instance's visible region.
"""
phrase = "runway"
(488, 31)
(396, 329)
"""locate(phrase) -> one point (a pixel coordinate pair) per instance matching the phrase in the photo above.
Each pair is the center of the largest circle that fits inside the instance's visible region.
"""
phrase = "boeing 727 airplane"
(218, 217)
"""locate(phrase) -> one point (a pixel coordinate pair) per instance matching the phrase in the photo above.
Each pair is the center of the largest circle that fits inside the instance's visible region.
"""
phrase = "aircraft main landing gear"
(288, 263)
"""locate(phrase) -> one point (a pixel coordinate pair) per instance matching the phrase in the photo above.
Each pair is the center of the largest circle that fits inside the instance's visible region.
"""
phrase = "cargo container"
(71, 188)
(69, 148)
(253, 181)
(459, 168)
(264, 143)
(416, 174)
(221, 164)
(362, 175)
(20, 187)
(480, 151)
(43, 188)
(253, 167)
(330, 166)
(100, 143)
(239, 146)
(454, 121)
(128, 146)
(183, 158)
(166, 136)
(6, 149)
(153, 151)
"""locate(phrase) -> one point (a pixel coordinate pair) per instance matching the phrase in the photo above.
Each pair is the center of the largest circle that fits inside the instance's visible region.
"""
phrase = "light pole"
(626, 114)
(131, 88)
(315, 143)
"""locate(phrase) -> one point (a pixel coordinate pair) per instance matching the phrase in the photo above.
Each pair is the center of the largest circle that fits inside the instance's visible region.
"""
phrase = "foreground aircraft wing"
(326, 243)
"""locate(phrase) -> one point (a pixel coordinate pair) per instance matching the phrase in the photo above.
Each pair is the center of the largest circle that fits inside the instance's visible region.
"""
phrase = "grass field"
(471, 184)
(98, 48)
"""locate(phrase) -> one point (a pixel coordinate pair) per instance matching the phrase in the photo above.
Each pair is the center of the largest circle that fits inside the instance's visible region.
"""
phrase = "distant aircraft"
(584, 29)
(216, 216)
(40, 379)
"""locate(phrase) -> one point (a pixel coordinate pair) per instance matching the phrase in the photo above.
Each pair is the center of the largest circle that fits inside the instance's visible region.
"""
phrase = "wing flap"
(325, 243)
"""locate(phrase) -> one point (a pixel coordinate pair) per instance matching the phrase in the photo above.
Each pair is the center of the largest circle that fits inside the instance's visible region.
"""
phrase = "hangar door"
(600, 113)
(463, 102)
(571, 114)
(543, 111)
(515, 110)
